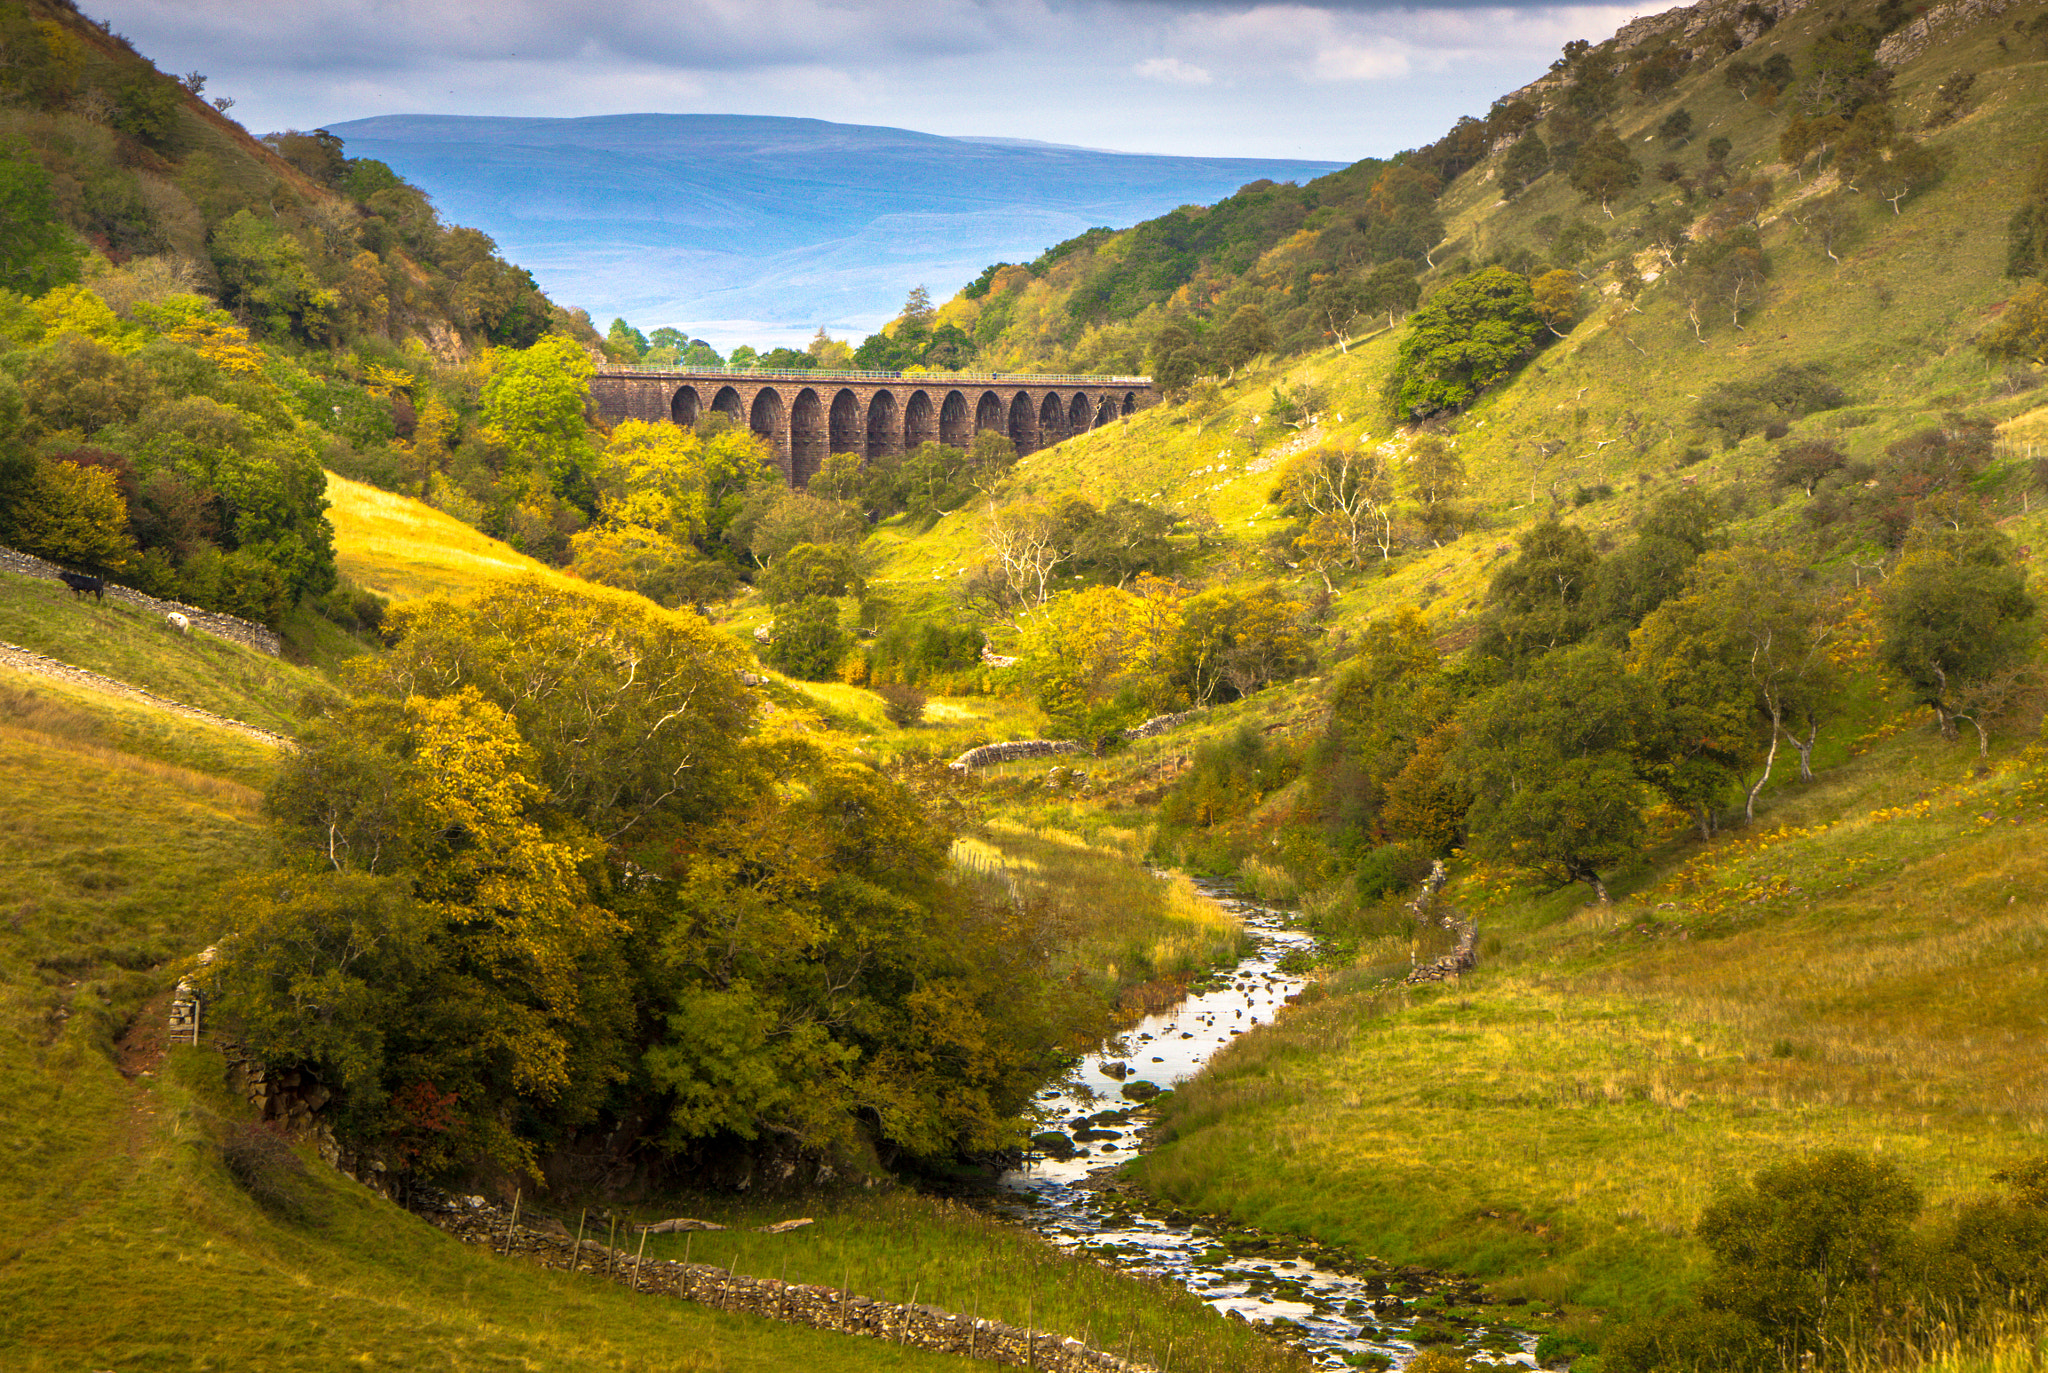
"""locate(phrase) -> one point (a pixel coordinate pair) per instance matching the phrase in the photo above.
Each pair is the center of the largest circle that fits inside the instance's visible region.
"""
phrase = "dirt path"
(15, 656)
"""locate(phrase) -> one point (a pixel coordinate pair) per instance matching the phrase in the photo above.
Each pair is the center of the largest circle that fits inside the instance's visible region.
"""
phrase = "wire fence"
(838, 374)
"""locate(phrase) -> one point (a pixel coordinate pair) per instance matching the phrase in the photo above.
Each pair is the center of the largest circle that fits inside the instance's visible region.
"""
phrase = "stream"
(1344, 1313)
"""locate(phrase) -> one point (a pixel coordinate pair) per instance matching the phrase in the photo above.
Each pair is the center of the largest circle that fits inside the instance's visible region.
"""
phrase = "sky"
(1336, 81)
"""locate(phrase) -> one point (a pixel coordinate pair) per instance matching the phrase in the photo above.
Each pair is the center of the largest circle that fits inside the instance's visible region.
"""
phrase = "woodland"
(1617, 502)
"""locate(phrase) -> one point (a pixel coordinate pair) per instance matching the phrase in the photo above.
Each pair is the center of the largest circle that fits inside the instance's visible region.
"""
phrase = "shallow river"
(1341, 1317)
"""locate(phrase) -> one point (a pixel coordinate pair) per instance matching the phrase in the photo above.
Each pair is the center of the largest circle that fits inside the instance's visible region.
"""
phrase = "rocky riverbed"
(1348, 1313)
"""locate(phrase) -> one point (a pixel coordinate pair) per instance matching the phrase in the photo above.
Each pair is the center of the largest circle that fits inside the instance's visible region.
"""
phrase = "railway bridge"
(808, 415)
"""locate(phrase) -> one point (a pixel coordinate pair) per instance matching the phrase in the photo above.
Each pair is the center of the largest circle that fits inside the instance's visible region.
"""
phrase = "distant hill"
(742, 228)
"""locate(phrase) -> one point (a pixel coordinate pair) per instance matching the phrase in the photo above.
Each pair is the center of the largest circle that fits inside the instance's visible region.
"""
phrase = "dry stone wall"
(474, 1221)
(1424, 909)
(229, 627)
(13, 655)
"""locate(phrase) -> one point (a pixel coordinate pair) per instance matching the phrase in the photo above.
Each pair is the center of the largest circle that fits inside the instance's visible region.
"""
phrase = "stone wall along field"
(229, 627)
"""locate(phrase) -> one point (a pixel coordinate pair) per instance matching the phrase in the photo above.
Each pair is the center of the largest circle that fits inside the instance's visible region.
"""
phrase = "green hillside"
(1609, 508)
(1858, 968)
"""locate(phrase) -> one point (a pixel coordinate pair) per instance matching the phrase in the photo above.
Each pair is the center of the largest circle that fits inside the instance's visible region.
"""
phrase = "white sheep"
(179, 622)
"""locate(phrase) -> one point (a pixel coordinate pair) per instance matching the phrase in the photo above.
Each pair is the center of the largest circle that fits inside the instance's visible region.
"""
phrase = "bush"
(1388, 869)
(902, 703)
(265, 1167)
(808, 641)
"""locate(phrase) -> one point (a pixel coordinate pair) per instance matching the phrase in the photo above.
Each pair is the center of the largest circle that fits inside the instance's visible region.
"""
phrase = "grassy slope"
(1864, 968)
(402, 549)
(118, 823)
(135, 646)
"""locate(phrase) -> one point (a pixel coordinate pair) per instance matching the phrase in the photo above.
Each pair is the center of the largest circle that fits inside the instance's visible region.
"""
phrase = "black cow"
(80, 584)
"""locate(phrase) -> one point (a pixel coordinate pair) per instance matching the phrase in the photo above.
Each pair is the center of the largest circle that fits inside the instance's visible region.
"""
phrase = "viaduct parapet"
(808, 415)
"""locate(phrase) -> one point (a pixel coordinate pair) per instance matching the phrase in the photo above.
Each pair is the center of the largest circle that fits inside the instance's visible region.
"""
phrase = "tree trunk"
(1749, 807)
(1806, 748)
(1706, 819)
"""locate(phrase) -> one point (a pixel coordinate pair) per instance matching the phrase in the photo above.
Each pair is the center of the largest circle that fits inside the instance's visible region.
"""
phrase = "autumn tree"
(1555, 298)
(2021, 332)
(1351, 493)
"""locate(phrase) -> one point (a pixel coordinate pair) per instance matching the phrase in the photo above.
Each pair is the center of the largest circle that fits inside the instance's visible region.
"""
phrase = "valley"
(1636, 527)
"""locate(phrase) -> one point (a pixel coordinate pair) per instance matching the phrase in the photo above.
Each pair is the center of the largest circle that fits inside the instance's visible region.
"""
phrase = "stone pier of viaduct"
(808, 415)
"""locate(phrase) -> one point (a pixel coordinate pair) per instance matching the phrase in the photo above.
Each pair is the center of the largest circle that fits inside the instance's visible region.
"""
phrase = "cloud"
(1173, 71)
(1285, 78)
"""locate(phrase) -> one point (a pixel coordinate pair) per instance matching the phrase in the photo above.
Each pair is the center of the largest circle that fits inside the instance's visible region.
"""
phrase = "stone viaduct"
(808, 415)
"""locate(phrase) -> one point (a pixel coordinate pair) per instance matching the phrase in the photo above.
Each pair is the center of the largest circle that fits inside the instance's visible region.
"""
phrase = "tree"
(2021, 332)
(1435, 476)
(1242, 639)
(1810, 1251)
(1740, 662)
(1353, 491)
(1555, 298)
(1526, 160)
(807, 641)
(1473, 333)
(1023, 547)
(1338, 302)
(808, 571)
(1957, 621)
(1605, 170)
(37, 252)
(74, 514)
(1392, 287)
(624, 343)
(1543, 599)
(1909, 168)
(1552, 765)
(1244, 336)
(534, 404)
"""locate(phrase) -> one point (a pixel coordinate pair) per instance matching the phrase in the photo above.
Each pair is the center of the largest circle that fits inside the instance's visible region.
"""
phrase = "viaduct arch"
(807, 416)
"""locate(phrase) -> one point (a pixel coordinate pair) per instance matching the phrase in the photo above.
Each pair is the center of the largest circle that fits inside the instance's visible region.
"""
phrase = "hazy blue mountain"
(743, 228)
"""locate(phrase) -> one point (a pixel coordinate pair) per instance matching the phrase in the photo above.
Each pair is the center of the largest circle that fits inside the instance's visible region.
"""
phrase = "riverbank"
(1863, 969)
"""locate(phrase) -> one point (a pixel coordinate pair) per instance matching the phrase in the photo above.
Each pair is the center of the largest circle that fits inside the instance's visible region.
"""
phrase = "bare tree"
(1023, 545)
(1353, 491)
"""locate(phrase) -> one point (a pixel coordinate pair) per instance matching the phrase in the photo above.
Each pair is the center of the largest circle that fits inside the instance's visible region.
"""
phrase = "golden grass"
(404, 549)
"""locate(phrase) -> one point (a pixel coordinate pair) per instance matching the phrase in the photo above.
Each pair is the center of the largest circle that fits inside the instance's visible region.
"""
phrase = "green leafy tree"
(1472, 334)
(1604, 170)
(1544, 598)
(1957, 623)
(1553, 766)
(37, 251)
(1527, 159)
(808, 571)
(534, 405)
(1245, 335)
(807, 641)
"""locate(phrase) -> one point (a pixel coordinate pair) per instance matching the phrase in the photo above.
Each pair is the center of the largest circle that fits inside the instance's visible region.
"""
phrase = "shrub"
(808, 641)
(902, 703)
(265, 1167)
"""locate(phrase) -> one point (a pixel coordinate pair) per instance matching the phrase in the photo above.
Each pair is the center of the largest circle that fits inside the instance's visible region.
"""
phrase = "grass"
(125, 1241)
(904, 1247)
(1864, 971)
(1128, 937)
(403, 549)
(134, 646)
